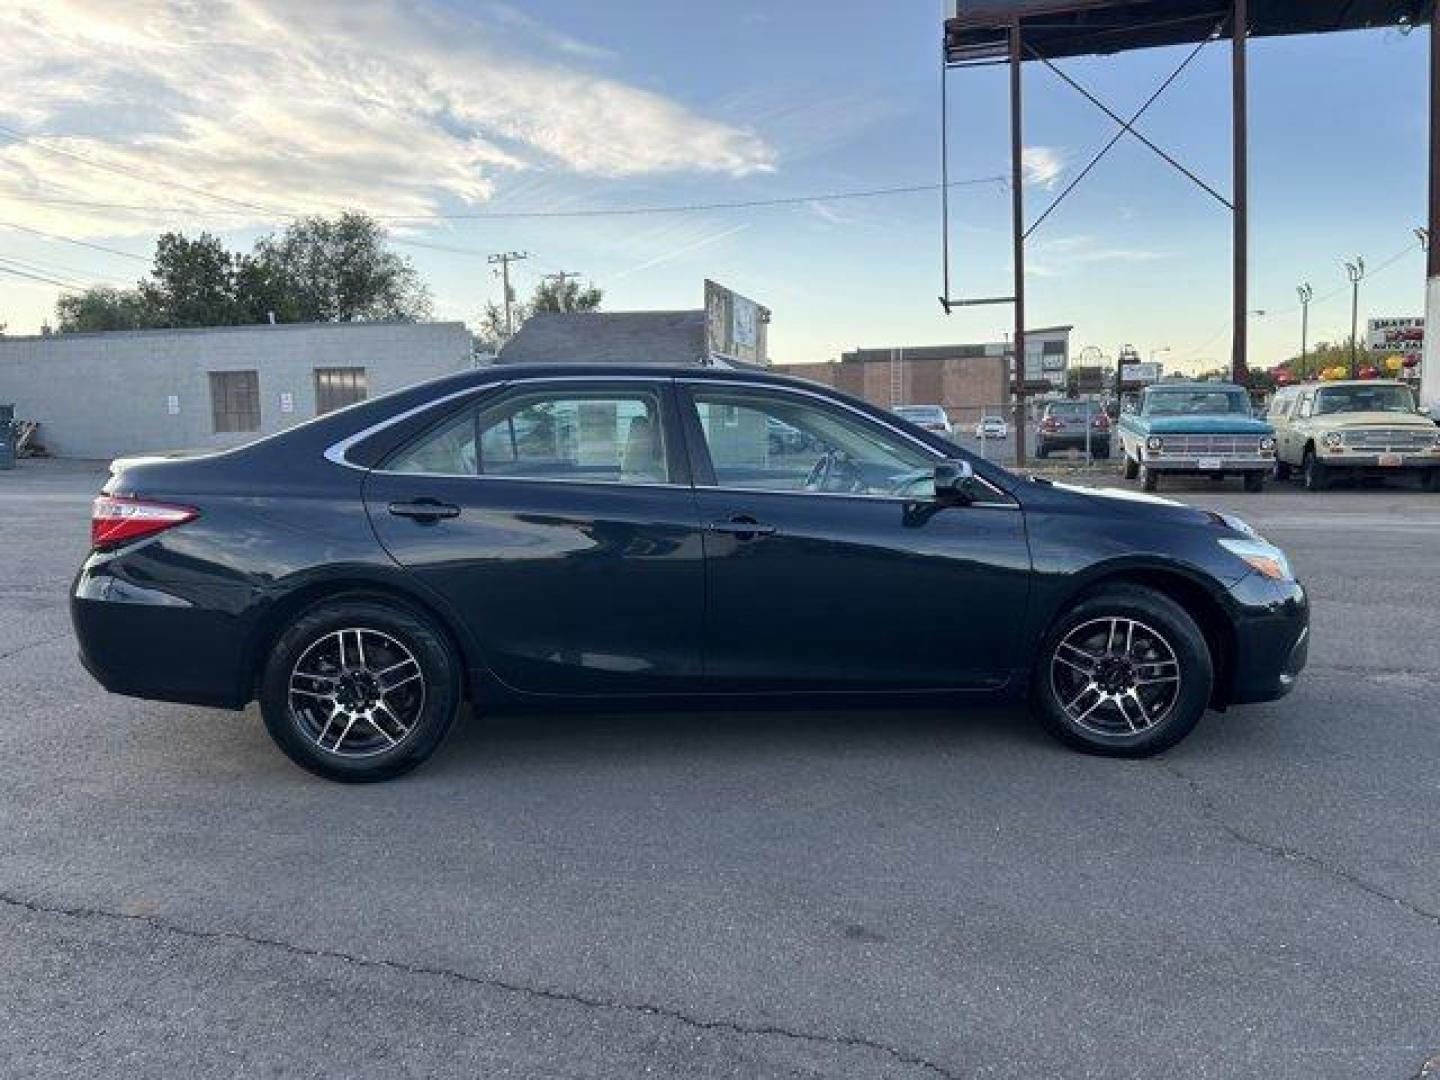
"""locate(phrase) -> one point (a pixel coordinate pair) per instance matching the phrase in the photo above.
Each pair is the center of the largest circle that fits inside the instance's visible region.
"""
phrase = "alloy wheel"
(356, 692)
(1115, 676)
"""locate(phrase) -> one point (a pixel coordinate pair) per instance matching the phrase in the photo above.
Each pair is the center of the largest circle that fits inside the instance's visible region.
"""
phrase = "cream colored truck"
(1373, 426)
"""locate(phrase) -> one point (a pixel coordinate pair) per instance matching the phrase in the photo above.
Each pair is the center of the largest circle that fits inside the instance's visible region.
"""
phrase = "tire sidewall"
(418, 633)
(1197, 671)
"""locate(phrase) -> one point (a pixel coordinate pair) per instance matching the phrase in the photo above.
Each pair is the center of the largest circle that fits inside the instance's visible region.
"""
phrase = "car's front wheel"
(1254, 481)
(359, 689)
(1125, 672)
(1314, 473)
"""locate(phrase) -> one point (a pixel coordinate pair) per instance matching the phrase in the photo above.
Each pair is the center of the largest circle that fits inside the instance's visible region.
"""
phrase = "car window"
(785, 442)
(549, 435)
(1343, 399)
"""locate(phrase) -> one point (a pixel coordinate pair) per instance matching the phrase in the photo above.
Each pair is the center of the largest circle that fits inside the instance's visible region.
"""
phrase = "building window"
(336, 387)
(235, 400)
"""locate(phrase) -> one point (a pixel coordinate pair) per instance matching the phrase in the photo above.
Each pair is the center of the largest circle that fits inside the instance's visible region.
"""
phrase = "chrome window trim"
(689, 384)
(335, 453)
(979, 504)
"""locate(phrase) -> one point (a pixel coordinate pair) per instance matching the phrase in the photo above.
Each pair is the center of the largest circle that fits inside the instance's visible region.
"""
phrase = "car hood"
(1206, 425)
(1375, 419)
(1121, 502)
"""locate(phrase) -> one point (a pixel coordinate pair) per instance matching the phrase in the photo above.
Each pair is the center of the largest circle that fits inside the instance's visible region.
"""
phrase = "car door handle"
(742, 525)
(424, 510)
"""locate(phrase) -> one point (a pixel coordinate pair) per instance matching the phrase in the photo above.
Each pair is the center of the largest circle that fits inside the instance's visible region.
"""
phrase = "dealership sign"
(1399, 336)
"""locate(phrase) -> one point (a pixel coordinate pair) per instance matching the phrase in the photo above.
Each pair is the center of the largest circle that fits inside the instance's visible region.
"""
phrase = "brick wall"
(965, 386)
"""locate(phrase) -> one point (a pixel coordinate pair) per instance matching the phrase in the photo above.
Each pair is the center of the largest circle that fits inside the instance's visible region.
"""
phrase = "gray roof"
(609, 337)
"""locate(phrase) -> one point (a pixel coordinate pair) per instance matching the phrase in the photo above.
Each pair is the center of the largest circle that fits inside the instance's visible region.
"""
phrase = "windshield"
(1353, 399)
(1197, 403)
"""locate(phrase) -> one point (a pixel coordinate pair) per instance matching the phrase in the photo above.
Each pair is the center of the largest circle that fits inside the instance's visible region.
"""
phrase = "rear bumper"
(147, 643)
(1272, 640)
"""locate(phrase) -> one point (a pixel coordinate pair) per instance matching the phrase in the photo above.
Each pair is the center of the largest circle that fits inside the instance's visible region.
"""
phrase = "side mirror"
(955, 482)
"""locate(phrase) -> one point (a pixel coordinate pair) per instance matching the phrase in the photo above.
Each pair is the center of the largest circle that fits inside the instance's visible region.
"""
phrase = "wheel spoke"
(1074, 651)
(311, 693)
(381, 707)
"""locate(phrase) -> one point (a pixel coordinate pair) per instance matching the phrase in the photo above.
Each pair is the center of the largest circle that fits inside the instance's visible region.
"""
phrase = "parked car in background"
(992, 427)
(1324, 430)
(930, 417)
(1195, 428)
(532, 536)
(1073, 425)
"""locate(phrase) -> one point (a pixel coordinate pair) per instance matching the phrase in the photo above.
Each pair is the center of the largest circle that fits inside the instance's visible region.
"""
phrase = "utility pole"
(1306, 294)
(1017, 213)
(560, 277)
(505, 258)
(1240, 154)
(1356, 272)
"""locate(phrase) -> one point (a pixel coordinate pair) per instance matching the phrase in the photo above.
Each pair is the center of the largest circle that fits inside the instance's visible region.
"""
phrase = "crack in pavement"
(541, 993)
(34, 644)
(1211, 813)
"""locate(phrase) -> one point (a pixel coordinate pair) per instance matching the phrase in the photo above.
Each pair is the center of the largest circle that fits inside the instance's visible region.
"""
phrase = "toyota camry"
(532, 536)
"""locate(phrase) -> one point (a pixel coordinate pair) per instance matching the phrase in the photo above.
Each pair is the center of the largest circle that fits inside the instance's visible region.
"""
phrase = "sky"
(121, 121)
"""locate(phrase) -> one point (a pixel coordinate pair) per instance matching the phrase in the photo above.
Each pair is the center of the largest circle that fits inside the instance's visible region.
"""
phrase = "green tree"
(564, 294)
(333, 270)
(103, 308)
(192, 282)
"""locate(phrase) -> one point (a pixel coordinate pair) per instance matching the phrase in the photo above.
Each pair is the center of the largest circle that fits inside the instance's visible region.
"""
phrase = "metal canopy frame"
(993, 32)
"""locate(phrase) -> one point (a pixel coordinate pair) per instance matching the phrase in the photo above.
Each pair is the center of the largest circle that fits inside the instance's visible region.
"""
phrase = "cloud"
(391, 106)
(1042, 166)
(1052, 258)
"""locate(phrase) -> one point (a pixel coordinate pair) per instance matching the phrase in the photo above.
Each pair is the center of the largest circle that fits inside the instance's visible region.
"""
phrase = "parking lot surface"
(811, 894)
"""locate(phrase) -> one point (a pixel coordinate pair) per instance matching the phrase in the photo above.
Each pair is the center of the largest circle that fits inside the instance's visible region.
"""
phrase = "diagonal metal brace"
(1127, 127)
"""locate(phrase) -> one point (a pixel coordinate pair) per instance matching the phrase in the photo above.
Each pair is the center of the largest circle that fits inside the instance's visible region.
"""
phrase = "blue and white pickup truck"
(1195, 429)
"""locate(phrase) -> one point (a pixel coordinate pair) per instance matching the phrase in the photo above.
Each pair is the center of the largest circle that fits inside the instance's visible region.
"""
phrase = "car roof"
(1194, 384)
(1349, 382)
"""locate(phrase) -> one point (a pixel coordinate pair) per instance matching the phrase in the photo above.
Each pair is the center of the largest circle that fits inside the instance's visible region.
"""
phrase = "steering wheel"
(833, 471)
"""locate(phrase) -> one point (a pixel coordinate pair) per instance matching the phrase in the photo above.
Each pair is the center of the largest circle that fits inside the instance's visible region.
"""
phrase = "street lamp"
(1306, 294)
(1356, 272)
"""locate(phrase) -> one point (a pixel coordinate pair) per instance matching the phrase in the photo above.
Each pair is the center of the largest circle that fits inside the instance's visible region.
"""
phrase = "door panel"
(852, 589)
(577, 563)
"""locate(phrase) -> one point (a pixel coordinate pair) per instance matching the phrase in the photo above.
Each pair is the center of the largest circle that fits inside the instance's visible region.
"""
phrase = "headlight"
(1154, 442)
(1261, 555)
(1331, 438)
(1267, 444)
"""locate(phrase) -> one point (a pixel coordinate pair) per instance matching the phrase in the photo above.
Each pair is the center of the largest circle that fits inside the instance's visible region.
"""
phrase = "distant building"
(107, 394)
(965, 379)
(609, 337)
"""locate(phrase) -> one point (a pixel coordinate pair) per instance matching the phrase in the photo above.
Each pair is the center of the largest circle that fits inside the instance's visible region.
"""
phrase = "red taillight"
(1050, 424)
(115, 521)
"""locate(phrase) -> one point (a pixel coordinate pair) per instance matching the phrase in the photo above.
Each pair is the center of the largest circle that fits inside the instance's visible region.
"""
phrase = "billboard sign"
(1140, 373)
(734, 326)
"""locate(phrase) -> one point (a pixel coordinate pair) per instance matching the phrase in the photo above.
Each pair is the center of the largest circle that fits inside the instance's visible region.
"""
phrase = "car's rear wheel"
(360, 690)
(1316, 476)
(1125, 672)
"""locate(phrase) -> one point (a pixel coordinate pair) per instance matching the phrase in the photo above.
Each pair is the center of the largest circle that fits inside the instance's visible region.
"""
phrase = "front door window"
(774, 441)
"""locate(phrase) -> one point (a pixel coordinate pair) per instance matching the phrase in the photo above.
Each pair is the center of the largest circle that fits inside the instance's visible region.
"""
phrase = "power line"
(39, 277)
(502, 215)
(73, 240)
(58, 268)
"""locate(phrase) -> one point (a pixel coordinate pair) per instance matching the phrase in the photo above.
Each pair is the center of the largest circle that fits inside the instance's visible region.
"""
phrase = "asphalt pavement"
(816, 894)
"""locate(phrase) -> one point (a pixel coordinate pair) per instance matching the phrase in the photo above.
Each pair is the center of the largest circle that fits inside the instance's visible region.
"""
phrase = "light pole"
(1306, 294)
(1356, 272)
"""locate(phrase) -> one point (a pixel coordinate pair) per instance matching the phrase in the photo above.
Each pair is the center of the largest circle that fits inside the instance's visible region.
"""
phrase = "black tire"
(1131, 468)
(1254, 481)
(414, 719)
(1313, 472)
(1282, 470)
(1431, 480)
(1149, 478)
(1191, 697)
(1217, 477)
(1041, 451)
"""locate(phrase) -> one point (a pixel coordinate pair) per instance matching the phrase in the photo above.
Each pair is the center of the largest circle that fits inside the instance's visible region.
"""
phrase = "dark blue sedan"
(530, 536)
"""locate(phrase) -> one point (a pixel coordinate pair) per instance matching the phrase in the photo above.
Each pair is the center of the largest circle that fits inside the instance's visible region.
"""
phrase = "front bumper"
(1161, 463)
(1349, 460)
(1272, 640)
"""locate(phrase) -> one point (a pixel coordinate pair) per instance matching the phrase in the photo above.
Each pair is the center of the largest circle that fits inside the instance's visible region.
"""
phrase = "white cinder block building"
(108, 394)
